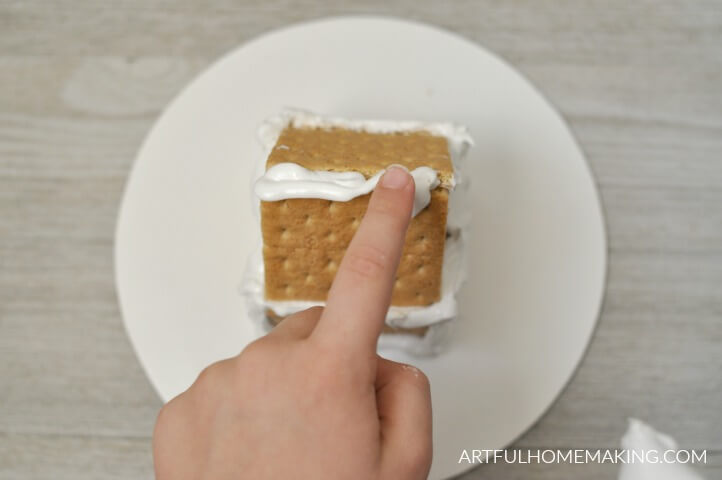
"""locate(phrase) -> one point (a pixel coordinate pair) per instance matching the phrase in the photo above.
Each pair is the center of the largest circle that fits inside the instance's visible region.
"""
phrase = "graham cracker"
(341, 150)
(305, 239)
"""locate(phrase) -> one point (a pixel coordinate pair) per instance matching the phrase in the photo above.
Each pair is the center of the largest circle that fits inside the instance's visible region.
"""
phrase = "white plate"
(538, 255)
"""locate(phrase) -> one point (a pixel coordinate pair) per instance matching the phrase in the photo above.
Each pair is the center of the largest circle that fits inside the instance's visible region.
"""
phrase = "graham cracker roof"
(341, 150)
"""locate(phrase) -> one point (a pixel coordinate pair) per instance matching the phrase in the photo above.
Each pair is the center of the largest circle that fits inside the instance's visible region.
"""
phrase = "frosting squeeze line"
(290, 180)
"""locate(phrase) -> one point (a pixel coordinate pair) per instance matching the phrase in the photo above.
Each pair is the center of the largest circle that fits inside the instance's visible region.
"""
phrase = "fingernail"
(396, 177)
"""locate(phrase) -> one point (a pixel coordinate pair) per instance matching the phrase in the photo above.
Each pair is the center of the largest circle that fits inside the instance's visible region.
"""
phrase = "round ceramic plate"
(537, 242)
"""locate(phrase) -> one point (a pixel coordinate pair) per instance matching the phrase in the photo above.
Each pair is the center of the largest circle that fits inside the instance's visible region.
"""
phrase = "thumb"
(403, 399)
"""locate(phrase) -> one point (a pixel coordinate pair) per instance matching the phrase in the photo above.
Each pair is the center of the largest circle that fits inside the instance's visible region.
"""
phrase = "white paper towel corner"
(642, 438)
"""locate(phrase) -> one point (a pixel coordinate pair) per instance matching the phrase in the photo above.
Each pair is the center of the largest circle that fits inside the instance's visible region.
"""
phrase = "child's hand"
(312, 399)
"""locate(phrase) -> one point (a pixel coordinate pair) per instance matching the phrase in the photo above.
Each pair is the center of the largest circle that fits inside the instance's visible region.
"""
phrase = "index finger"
(361, 291)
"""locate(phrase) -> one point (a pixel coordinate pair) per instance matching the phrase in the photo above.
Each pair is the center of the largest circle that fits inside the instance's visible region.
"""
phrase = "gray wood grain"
(82, 81)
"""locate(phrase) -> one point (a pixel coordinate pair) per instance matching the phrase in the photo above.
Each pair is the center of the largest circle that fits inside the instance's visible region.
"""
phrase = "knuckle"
(255, 355)
(161, 420)
(254, 349)
(422, 380)
(166, 419)
(207, 377)
(211, 377)
(417, 378)
(367, 261)
(206, 374)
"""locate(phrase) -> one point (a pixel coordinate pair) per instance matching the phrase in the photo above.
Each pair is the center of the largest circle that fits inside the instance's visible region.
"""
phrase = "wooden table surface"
(81, 82)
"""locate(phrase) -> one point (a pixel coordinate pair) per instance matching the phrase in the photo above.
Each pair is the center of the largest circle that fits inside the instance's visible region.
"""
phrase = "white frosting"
(433, 342)
(436, 315)
(642, 438)
(289, 180)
